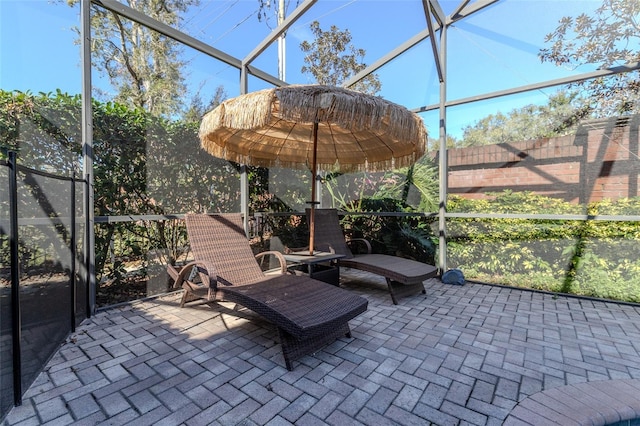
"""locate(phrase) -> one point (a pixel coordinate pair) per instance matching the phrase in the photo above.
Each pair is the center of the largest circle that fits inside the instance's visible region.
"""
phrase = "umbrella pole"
(312, 215)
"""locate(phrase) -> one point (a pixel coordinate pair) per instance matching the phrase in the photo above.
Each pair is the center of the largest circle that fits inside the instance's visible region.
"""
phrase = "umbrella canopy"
(315, 126)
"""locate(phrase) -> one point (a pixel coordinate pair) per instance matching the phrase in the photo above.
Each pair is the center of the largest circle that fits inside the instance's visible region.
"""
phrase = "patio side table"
(321, 266)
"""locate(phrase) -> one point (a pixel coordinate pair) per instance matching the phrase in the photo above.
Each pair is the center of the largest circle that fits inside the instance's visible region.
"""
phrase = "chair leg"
(293, 349)
(398, 290)
(391, 291)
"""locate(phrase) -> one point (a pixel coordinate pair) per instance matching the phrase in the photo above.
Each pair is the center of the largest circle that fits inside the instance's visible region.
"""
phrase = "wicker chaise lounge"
(404, 276)
(307, 313)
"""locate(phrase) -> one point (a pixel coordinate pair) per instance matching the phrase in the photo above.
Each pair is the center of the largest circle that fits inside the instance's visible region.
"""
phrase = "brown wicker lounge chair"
(404, 276)
(308, 313)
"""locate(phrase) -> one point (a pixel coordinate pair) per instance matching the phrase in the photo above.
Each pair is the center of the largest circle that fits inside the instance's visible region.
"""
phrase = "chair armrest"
(361, 241)
(278, 255)
(185, 279)
(185, 275)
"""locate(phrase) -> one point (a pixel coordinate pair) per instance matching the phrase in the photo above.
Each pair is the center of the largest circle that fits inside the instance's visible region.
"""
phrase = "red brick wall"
(601, 160)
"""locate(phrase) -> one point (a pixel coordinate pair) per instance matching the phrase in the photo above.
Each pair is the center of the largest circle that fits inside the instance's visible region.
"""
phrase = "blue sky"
(494, 50)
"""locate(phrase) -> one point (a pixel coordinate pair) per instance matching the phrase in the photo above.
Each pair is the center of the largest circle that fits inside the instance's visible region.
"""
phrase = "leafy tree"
(556, 118)
(331, 59)
(142, 65)
(197, 107)
(433, 144)
(609, 37)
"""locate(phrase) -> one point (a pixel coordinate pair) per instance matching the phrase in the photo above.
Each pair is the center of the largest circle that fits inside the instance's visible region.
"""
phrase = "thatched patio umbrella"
(315, 126)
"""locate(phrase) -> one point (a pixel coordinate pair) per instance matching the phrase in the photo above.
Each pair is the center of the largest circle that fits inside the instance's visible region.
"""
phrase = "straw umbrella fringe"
(353, 111)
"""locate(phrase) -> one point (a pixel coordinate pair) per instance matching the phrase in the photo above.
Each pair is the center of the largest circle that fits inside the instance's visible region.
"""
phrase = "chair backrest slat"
(328, 233)
(221, 241)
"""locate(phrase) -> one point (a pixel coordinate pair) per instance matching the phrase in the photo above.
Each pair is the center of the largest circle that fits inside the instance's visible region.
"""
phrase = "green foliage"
(43, 128)
(291, 231)
(559, 117)
(423, 178)
(415, 186)
(143, 164)
(609, 37)
(508, 201)
(149, 165)
(403, 236)
(412, 189)
(329, 63)
(143, 66)
(592, 258)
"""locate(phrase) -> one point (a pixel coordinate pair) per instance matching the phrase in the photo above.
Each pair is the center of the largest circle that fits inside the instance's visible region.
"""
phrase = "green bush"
(403, 236)
(590, 258)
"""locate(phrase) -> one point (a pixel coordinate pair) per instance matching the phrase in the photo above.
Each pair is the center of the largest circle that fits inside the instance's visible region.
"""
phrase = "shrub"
(590, 258)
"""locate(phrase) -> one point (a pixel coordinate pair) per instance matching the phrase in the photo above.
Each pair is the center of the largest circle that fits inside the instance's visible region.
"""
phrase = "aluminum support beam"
(279, 30)
(443, 160)
(162, 28)
(458, 9)
(470, 10)
(631, 66)
(388, 57)
(432, 37)
(466, 11)
(87, 154)
(437, 11)
(16, 317)
(73, 249)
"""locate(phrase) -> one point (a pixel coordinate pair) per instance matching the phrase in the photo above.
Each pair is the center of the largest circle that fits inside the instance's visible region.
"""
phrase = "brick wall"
(601, 160)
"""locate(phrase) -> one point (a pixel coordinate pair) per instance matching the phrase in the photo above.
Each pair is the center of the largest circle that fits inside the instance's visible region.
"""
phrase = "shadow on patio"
(460, 355)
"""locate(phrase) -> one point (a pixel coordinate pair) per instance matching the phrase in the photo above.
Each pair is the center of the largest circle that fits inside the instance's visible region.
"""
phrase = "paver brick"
(147, 419)
(56, 392)
(312, 388)
(269, 410)
(113, 387)
(298, 407)
(113, 404)
(464, 355)
(338, 418)
(180, 416)
(458, 393)
(354, 402)
(210, 414)
(144, 401)
(247, 377)
(83, 406)
(230, 394)
(408, 397)
(168, 383)
(51, 409)
(173, 399)
(326, 405)
(285, 390)
(483, 391)
(373, 418)
(341, 387)
(381, 400)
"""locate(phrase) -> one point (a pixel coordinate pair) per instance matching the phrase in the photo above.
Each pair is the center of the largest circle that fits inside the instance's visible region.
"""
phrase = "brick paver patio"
(471, 355)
